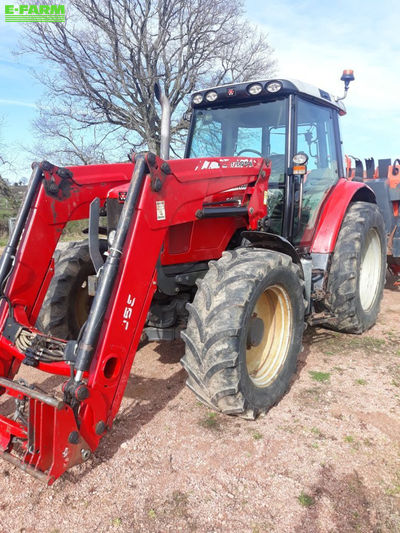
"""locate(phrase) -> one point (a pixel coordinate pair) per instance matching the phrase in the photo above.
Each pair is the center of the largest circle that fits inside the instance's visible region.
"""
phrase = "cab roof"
(239, 92)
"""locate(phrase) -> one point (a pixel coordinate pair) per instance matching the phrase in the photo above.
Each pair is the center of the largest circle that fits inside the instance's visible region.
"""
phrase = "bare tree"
(6, 196)
(3, 149)
(62, 139)
(109, 54)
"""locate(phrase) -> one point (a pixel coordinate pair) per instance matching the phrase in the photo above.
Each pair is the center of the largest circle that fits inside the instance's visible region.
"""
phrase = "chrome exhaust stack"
(165, 120)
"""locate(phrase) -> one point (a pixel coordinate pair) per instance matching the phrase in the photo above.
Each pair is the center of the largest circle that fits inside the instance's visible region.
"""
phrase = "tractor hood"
(211, 167)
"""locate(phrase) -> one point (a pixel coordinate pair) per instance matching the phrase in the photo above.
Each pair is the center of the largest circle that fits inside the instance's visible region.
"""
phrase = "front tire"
(357, 274)
(244, 331)
(67, 303)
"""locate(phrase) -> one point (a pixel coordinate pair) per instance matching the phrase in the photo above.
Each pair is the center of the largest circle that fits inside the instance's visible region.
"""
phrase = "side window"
(316, 137)
(307, 143)
(277, 149)
(207, 138)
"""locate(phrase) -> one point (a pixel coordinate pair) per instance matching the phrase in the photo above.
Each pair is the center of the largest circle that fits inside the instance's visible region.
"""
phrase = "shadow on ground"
(147, 397)
(347, 505)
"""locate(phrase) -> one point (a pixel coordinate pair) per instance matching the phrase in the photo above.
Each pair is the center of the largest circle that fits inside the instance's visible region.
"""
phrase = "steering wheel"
(249, 150)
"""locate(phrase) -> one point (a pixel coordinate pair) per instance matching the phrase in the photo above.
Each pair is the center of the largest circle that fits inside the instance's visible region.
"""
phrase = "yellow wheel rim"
(265, 360)
(370, 270)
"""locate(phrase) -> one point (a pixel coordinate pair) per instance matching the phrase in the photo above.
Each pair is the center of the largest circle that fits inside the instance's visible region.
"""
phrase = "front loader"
(234, 248)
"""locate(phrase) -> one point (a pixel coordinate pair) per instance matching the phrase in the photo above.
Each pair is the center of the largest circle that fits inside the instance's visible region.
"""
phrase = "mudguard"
(334, 210)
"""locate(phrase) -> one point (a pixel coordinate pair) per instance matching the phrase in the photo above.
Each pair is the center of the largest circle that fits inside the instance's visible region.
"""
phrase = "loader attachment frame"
(46, 435)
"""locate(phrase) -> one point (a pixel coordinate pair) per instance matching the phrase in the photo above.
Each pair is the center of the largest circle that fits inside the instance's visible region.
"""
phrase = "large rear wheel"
(357, 274)
(244, 331)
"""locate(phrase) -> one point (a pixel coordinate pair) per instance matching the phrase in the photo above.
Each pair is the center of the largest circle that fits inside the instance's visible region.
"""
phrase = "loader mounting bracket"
(39, 443)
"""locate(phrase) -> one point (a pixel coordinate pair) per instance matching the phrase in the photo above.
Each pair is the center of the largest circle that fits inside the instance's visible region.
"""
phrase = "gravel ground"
(326, 459)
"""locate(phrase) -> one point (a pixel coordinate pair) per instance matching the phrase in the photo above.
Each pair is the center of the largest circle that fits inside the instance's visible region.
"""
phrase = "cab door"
(317, 135)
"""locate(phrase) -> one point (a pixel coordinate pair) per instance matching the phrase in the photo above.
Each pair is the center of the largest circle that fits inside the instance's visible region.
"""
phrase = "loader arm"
(48, 436)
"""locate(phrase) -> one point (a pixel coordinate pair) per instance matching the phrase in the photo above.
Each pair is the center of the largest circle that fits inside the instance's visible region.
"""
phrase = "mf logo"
(34, 13)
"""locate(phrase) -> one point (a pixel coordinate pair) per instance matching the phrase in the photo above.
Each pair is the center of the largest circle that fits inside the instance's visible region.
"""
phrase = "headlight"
(254, 89)
(197, 98)
(300, 158)
(211, 96)
(273, 86)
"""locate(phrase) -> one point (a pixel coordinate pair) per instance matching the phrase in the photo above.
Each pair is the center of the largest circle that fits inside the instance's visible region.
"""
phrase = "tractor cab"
(275, 119)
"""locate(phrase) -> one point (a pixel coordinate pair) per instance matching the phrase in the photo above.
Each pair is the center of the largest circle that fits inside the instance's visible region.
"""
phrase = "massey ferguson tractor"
(257, 232)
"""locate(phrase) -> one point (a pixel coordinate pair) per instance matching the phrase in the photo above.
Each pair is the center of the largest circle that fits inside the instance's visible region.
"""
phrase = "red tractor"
(254, 234)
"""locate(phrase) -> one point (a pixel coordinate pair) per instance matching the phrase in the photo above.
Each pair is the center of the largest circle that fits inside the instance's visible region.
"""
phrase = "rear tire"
(244, 331)
(357, 274)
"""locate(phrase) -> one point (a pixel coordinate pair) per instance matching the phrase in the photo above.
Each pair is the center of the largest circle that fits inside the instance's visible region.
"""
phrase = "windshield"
(256, 129)
(248, 130)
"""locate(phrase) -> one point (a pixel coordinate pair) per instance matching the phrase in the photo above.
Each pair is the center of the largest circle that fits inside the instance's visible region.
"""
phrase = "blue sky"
(313, 41)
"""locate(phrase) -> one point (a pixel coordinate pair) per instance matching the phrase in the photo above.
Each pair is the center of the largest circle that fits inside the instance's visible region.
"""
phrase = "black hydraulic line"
(7, 258)
(216, 212)
(88, 342)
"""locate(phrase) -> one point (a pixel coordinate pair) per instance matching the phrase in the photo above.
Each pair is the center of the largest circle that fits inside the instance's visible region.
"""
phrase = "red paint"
(179, 236)
(190, 185)
(330, 220)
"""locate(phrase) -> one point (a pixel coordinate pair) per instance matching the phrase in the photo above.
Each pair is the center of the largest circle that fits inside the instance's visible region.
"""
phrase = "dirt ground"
(325, 459)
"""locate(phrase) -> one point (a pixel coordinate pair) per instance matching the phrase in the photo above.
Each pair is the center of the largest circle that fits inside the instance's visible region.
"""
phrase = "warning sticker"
(160, 206)
(265, 197)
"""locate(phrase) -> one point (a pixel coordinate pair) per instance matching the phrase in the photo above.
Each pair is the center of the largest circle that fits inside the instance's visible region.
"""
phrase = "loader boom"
(58, 434)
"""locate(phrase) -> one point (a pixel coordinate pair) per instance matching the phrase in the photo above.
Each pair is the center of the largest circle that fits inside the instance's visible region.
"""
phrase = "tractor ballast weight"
(190, 242)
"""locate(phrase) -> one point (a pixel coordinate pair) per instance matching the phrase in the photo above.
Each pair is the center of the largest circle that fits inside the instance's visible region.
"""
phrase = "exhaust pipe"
(165, 120)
